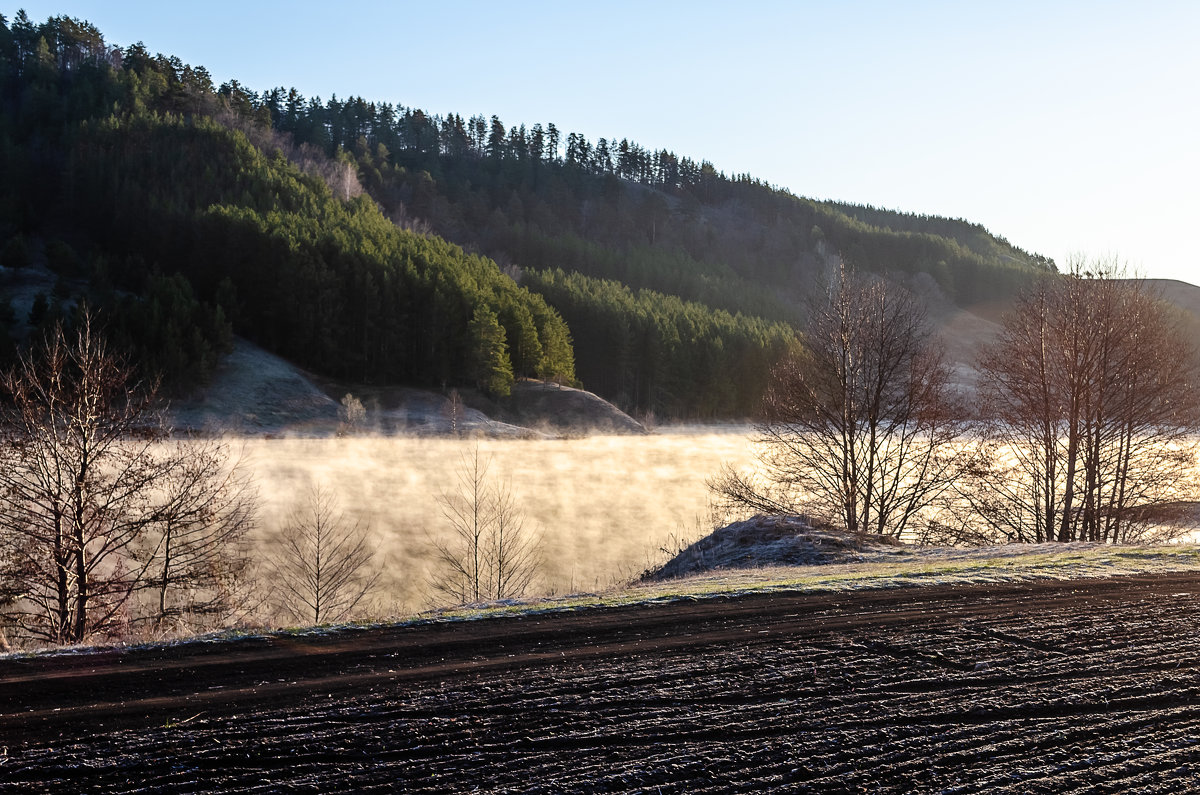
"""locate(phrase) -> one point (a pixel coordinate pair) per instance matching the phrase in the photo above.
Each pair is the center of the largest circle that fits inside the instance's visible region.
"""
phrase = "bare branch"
(89, 488)
(488, 553)
(322, 567)
(860, 428)
(1093, 406)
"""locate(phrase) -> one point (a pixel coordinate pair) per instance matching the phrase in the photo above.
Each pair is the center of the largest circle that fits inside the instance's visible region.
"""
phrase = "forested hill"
(611, 209)
(319, 229)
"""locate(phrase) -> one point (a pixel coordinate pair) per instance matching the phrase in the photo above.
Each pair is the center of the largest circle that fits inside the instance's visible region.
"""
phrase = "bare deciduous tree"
(351, 413)
(860, 427)
(87, 480)
(322, 564)
(198, 555)
(453, 411)
(488, 553)
(1092, 400)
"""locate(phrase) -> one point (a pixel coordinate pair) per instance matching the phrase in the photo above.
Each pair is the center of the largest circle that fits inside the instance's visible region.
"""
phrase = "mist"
(604, 506)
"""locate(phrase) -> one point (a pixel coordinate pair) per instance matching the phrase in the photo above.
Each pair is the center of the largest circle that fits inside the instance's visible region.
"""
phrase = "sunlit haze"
(598, 527)
(1067, 128)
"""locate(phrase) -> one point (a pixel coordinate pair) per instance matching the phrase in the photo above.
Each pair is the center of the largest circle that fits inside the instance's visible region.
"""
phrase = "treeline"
(177, 206)
(658, 353)
(309, 226)
(505, 189)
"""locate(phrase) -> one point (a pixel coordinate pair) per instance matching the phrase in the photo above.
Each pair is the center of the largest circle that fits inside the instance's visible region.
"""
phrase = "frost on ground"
(1080, 687)
(773, 541)
(255, 392)
(793, 553)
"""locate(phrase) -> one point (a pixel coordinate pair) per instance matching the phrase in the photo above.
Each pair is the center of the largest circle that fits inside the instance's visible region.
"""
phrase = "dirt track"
(1085, 686)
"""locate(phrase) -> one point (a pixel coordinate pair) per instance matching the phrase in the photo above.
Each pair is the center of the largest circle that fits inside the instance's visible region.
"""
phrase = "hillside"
(253, 392)
(375, 243)
(651, 220)
(1184, 297)
(964, 330)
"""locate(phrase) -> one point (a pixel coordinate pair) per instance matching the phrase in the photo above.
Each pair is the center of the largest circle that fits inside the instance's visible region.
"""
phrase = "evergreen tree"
(490, 365)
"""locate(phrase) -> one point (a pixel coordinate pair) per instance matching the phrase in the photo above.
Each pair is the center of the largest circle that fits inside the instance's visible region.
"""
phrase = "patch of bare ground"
(543, 404)
(1055, 687)
(254, 392)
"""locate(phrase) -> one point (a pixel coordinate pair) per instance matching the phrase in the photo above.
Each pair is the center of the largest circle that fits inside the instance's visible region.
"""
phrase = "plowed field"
(1059, 687)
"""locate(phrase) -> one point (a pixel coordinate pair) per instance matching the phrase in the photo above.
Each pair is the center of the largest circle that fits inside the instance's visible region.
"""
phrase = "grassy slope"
(907, 567)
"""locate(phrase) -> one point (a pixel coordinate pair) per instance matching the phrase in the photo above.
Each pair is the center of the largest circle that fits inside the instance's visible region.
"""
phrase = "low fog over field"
(604, 505)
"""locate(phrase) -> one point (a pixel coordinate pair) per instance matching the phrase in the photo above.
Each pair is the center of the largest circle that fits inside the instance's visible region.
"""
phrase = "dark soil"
(1083, 686)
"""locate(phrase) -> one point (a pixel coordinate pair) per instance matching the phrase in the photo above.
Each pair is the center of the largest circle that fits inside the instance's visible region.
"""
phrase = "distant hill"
(1180, 294)
(965, 330)
(380, 244)
(580, 222)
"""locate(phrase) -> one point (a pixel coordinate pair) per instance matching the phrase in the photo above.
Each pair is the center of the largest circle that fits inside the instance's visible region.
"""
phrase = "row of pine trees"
(322, 230)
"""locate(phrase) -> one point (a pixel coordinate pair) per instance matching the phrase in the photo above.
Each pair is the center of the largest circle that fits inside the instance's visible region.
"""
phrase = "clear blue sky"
(1067, 127)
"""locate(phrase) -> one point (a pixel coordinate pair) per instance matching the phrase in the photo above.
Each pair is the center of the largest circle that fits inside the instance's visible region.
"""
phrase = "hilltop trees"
(1092, 405)
(859, 427)
(183, 193)
(275, 216)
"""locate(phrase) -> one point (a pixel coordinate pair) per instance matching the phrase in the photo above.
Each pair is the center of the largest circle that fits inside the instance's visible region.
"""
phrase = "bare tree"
(1092, 405)
(86, 480)
(488, 553)
(512, 553)
(351, 413)
(322, 564)
(860, 427)
(453, 411)
(198, 555)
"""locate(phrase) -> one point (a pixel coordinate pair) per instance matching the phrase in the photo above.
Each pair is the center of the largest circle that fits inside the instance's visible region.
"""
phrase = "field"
(604, 505)
(605, 508)
(1040, 668)
(1043, 687)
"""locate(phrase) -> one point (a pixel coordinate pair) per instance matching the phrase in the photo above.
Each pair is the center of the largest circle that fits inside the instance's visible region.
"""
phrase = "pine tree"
(490, 365)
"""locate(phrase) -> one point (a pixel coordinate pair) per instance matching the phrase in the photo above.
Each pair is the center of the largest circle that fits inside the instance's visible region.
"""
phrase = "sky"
(1069, 128)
